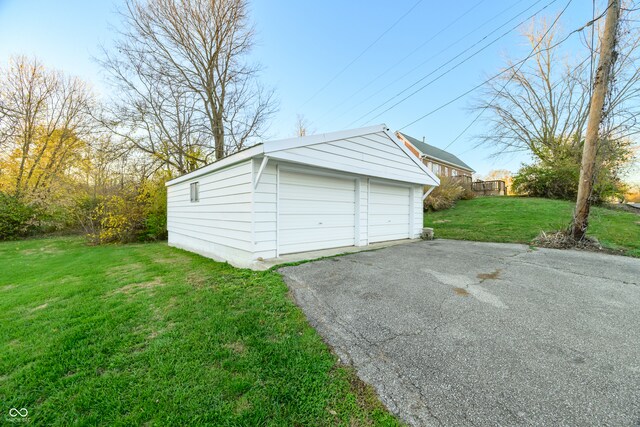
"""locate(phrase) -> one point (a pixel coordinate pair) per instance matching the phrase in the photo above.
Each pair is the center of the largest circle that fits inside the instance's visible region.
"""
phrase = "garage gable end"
(371, 151)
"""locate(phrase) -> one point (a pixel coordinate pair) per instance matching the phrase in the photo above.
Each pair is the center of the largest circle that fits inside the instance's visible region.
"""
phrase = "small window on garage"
(195, 191)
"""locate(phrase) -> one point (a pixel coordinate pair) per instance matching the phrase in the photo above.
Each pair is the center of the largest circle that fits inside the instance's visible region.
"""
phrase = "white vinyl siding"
(264, 211)
(222, 215)
(418, 212)
(315, 212)
(390, 209)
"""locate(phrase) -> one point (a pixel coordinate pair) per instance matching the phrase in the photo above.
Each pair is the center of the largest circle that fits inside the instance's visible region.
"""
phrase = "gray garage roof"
(435, 152)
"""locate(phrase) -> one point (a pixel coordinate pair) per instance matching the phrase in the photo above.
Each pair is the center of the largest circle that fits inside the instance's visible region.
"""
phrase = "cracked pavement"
(467, 333)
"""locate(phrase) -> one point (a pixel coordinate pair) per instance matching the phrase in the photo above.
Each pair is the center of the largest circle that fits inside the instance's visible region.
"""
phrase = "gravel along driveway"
(463, 333)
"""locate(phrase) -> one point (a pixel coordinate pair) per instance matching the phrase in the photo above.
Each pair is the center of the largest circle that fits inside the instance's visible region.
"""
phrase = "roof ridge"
(430, 150)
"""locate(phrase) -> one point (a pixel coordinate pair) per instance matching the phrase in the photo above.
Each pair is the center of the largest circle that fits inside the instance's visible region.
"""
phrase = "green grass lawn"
(519, 220)
(150, 335)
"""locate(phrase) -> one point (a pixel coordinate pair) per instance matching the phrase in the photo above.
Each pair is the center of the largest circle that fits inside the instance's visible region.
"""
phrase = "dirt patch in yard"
(43, 250)
(237, 347)
(123, 270)
(564, 240)
(173, 260)
(136, 287)
(197, 280)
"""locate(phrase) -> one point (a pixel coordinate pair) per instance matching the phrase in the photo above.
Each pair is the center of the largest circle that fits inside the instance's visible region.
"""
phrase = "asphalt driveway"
(462, 333)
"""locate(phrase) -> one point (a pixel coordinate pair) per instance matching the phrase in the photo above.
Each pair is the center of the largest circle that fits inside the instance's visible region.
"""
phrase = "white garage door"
(315, 212)
(389, 213)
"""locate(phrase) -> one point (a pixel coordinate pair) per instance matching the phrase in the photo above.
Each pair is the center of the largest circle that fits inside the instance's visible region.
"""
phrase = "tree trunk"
(218, 135)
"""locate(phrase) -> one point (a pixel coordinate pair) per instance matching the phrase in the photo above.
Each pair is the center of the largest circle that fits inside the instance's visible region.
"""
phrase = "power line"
(346, 67)
(521, 63)
(430, 58)
(508, 81)
(397, 63)
(449, 69)
(489, 79)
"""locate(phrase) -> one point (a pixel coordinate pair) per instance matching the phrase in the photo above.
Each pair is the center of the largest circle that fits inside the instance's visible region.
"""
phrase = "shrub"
(129, 216)
(17, 217)
(120, 219)
(445, 195)
(559, 180)
(468, 193)
(556, 174)
(154, 195)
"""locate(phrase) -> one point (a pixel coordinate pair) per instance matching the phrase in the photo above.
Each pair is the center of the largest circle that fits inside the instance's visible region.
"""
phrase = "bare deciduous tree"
(188, 94)
(542, 107)
(43, 118)
(302, 126)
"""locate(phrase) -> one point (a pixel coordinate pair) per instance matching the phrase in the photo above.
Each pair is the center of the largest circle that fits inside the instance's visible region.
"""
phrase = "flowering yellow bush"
(129, 216)
(117, 218)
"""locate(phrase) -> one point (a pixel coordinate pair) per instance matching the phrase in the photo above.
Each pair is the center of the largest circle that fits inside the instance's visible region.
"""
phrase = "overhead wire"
(521, 63)
(501, 72)
(409, 55)
(346, 67)
(449, 69)
(432, 57)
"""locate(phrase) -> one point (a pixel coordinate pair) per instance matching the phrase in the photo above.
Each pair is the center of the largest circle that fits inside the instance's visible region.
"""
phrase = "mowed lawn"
(150, 335)
(521, 219)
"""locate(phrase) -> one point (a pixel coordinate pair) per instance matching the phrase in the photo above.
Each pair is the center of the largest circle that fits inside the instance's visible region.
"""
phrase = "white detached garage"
(348, 188)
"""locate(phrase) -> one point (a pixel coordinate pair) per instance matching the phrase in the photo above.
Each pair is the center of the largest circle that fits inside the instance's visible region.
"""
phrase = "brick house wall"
(444, 169)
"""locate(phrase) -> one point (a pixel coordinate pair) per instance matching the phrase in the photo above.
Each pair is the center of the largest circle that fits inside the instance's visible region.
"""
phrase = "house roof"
(435, 152)
(282, 149)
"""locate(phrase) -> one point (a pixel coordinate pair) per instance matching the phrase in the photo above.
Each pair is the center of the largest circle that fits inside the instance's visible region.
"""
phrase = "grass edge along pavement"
(521, 219)
(145, 333)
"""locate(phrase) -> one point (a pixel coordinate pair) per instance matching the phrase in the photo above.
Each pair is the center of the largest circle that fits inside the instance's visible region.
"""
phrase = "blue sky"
(303, 45)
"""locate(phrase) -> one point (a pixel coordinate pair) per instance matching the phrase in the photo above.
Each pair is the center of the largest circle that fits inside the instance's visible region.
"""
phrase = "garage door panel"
(295, 222)
(316, 212)
(314, 246)
(389, 212)
(385, 209)
(317, 235)
(390, 220)
(310, 180)
(391, 199)
(291, 192)
(386, 230)
(309, 208)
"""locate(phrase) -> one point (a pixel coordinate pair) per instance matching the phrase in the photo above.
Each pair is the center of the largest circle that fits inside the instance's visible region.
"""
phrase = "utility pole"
(600, 85)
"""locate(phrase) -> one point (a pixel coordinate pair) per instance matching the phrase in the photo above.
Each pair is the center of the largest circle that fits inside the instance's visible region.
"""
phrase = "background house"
(441, 162)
